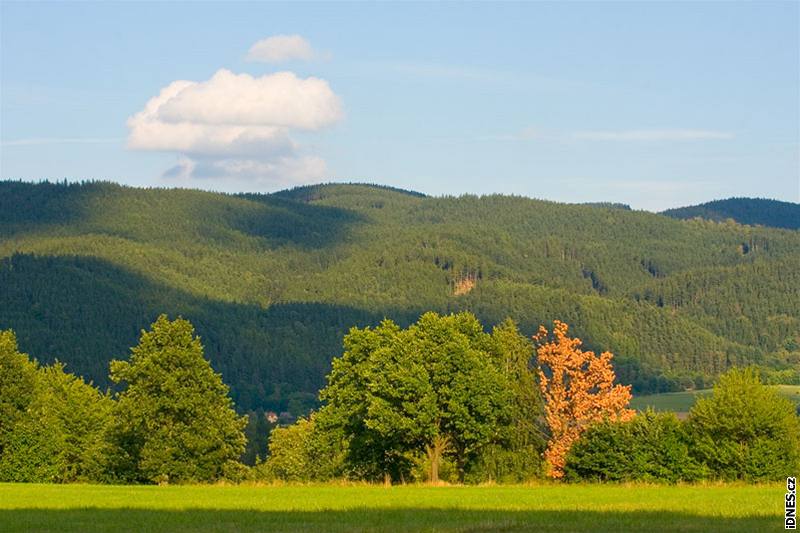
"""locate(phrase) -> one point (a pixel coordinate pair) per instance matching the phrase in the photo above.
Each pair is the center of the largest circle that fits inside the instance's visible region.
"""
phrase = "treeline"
(172, 421)
(440, 400)
(396, 412)
(272, 282)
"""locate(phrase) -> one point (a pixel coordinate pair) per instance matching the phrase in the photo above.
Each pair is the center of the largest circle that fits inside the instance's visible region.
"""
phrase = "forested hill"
(272, 282)
(752, 211)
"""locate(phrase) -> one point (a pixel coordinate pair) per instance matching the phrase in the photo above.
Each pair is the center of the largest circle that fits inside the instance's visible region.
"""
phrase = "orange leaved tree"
(578, 390)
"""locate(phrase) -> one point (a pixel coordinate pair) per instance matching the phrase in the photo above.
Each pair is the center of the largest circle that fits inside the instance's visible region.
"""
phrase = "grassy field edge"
(354, 507)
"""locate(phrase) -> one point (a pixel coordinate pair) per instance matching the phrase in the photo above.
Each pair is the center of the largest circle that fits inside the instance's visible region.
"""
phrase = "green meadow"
(681, 402)
(289, 508)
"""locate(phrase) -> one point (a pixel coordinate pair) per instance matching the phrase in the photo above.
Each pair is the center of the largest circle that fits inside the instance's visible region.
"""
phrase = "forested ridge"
(273, 282)
(752, 211)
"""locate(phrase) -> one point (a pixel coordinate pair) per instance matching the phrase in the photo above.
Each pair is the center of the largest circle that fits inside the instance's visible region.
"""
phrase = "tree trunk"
(433, 459)
(435, 451)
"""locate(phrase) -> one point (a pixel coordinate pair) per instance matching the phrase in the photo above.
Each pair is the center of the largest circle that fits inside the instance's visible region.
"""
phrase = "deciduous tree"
(578, 390)
(432, 389)
(174, 421)
(303, 452)
(17, 381)
(60, 438)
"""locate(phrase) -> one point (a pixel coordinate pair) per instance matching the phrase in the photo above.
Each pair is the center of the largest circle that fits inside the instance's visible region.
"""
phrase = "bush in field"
(174, 421)
(504, 464)
(651, 447)
(746, 430)
(61, 436)
(303, 452)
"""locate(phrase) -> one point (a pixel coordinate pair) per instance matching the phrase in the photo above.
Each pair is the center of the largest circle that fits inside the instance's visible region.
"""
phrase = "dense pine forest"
(273, 282)
(752, 211)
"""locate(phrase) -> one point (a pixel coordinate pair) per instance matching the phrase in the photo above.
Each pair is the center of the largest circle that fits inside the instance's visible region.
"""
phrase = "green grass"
(402, 508)
(791, 391)
(681, 402)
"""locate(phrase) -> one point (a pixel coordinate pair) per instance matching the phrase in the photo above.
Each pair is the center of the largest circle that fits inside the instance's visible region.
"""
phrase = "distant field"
(681, 402)
(545, 507)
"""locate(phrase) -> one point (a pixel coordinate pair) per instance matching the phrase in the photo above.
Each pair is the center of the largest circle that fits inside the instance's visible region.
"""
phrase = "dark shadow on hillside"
(389, 520)
(298, 223)
(29, 207)
(85, 312)
(751, 211)
(24, 206)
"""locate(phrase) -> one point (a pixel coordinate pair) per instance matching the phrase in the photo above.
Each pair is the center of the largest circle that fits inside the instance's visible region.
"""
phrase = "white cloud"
(280, 99)
(237, 175)
(233, 113)
(281, 48)
(652, 135)
(237, 127)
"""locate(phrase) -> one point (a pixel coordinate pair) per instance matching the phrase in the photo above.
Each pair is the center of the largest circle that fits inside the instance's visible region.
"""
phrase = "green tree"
(516, 457)
(525, 437)
(17, 381)
(302, 452)
(432, 389)
(257, 432)
(61, 436)
(174, 420)
(746, 430)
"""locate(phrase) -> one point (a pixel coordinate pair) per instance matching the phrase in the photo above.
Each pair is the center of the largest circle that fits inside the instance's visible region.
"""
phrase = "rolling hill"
(751, 211)
(272, 282)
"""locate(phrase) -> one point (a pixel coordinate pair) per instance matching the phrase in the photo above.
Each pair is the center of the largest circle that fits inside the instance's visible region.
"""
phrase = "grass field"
(681, 402)
(401, 508)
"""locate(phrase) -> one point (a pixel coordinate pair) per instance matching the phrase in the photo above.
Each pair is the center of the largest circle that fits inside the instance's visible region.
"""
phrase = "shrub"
(652, 447)
(502, 464)
(746, 430)
(303, 452)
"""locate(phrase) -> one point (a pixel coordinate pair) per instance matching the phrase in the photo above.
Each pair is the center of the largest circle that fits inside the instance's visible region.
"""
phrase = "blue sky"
(654, 104)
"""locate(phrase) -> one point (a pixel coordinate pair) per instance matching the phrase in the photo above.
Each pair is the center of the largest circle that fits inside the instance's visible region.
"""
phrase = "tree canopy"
(440, 388)
(17, 382)
(578, 389)
(174, 420)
